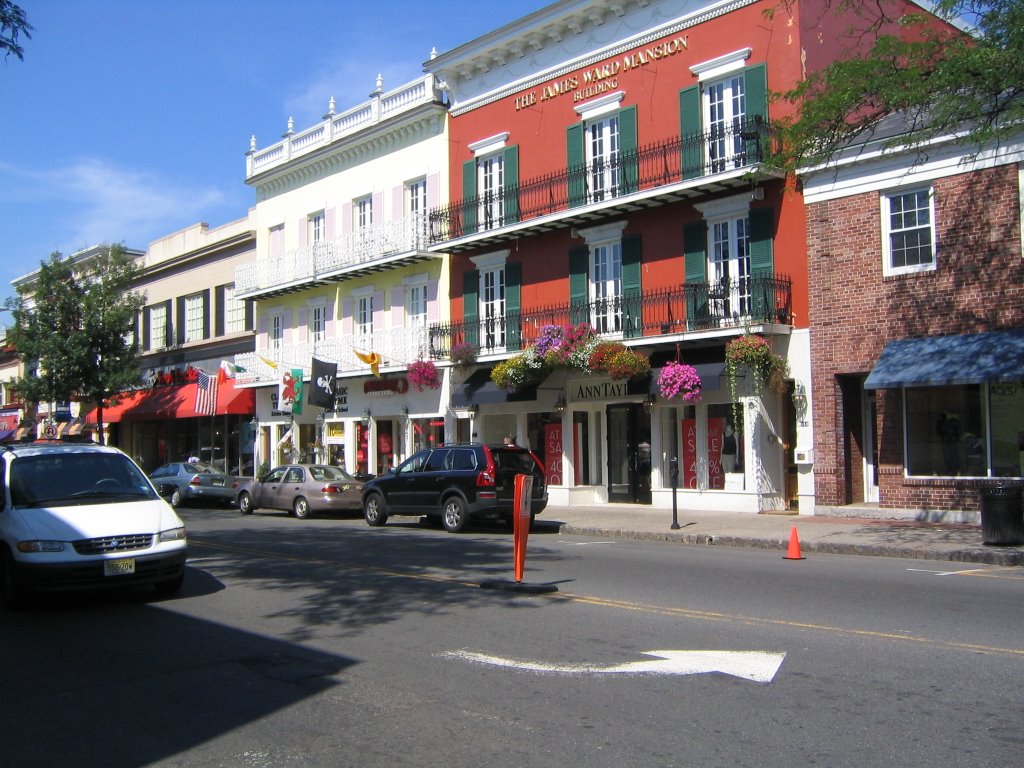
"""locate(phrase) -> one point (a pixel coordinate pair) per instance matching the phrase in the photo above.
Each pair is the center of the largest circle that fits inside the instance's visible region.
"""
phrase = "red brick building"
(607, 168)
(917, 327)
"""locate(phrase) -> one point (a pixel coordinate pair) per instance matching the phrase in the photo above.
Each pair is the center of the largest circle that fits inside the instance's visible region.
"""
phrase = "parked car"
(455, 483)
(80, 516)
(302, 489)
(195, 482)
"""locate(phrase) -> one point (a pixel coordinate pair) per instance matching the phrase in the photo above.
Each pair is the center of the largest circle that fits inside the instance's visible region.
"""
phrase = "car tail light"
(486, 477)
(196, 480)
(331, 489)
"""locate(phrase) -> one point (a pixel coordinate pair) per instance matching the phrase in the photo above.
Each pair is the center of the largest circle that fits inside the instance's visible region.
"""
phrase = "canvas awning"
(946, 360)
(478, 389)
(175, 402)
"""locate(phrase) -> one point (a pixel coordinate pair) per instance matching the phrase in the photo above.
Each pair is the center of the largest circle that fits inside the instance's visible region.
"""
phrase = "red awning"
(175, 402)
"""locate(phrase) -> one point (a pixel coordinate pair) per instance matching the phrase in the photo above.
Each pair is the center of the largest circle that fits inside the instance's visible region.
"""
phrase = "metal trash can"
(1002, 521)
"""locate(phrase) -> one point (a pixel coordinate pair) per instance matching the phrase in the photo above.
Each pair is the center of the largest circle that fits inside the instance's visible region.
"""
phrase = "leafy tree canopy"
(74, 328)
(942, 81)
(13, 24)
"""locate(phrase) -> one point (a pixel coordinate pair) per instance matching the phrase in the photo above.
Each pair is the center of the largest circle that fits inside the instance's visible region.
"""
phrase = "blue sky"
(129, 119)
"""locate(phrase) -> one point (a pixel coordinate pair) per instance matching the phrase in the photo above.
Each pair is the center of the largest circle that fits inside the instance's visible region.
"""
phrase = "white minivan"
(83, 516)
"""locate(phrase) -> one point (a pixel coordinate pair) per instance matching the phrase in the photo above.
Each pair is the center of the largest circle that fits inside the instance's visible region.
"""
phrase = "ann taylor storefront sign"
(597, 391)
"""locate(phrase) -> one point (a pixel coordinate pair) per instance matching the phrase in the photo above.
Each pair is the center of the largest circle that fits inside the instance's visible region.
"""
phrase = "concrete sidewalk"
(958, 542)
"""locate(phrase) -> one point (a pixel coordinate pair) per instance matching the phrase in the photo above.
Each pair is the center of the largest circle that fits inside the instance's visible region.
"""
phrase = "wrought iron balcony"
(664, 312)
(397, 347)
(367, 248)
(692, 160)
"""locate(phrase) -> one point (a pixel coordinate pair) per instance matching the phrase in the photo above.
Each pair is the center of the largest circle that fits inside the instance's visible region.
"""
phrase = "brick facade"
(978, 286)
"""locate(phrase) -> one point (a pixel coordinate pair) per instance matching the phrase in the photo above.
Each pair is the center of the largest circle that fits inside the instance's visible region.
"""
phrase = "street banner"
(321, 388)
(289, 394)
(522, 507)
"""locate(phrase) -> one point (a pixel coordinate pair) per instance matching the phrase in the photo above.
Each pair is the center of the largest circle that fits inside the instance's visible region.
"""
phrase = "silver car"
(301, 489)
(194, 482)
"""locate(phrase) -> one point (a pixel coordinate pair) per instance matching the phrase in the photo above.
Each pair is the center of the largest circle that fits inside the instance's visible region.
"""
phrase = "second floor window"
(364, 316)
(909, 231)
(316, 231)
(317, 322)
(729, 267)
(234, 311)
(606, 287)
(275, 334)
(416, 209)
(276, 241)
(490, 185)
(416, 304)
(602, 156)
(158, 327)
(194, 317)
(492, 307)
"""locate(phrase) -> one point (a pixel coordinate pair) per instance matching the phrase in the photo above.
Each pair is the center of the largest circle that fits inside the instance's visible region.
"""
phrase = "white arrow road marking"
(758, 666)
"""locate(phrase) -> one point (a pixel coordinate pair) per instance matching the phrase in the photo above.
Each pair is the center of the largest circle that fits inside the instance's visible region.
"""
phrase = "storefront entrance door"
(629, 454)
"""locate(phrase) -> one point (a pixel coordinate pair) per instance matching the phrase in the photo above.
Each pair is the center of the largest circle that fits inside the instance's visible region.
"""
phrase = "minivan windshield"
(58, 479)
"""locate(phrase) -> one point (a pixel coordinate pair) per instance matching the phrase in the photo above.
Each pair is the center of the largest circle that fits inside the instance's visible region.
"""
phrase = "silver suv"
(83, 516)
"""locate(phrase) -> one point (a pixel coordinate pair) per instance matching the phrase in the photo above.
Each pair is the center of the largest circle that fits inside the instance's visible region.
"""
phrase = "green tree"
(13, 23)
(74, 329)
(940, 79)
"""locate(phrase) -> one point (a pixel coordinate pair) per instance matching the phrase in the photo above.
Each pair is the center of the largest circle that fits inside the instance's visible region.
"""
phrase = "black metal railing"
(740, 145)
(689, 307)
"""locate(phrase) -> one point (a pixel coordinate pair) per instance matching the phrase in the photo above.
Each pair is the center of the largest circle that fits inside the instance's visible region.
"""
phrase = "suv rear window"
(514, 460)
(463, 458)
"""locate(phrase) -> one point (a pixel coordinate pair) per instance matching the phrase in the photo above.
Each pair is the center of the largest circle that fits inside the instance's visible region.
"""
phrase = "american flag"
(206, 394)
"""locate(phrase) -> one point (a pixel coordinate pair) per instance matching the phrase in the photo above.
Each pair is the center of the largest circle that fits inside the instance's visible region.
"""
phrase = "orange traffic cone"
(794, 546)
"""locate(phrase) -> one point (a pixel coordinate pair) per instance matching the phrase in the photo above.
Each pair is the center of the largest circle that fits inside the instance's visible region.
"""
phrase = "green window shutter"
(755, 90)
(690, 130)
(219, 311)
(469, 201)
(145, 329)
(632, 310)
(695, 250)
(513, 307)
(511, 190)
(181, 320)
(628, 158)
(207, 310)
(762, 264)
(471, 307)
(579, 284)
(576, 165)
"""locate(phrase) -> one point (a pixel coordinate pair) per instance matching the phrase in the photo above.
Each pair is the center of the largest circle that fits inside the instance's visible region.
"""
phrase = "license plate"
(119, 567)
(219, 481)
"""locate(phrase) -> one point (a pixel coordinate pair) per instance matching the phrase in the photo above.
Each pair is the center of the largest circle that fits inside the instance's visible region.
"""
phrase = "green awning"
(946, 360)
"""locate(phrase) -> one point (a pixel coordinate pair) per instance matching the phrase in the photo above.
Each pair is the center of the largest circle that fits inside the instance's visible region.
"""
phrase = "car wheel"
(453, 514)
(11, 591)
(245, 503)
(301, 508)
(176, 498)
(374, 511)
(171, 586)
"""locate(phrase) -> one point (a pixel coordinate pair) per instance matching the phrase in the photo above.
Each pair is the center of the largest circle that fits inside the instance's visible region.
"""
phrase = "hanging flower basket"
(680, 380)
(463, 354)
(423, 374)
(754, 354)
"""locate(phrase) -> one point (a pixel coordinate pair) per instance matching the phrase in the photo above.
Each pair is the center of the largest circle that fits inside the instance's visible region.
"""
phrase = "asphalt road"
(326, 643)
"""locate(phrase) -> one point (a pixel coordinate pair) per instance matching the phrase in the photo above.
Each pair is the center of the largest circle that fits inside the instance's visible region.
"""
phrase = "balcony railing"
(741, 145)
(690, 307)
(330, 257)
(398, 347)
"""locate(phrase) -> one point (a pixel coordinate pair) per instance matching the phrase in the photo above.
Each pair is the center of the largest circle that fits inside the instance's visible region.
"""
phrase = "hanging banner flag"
(228, 370)
(206, 394)
(372, 359)
(289, 392)
(321, 388)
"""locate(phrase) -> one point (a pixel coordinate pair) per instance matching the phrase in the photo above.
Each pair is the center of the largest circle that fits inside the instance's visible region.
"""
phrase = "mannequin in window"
(949, 434)
(729, 449)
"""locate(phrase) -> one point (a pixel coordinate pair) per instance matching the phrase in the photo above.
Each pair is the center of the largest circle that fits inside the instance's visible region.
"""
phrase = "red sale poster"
(689, 469)
(553, 453)
(716, 426)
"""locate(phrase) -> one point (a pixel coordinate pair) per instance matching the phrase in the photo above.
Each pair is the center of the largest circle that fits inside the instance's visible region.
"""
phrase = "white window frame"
(602, 147)
(490, 188)
(362, 312)
(275, 241)
(234, 311)
(415, 301)
(275, 330)
(886, 200)
(158, 326)
(316, 228)
(362, 213)
(604, 276)
(416, 209)
(317, 314)
(195, 311)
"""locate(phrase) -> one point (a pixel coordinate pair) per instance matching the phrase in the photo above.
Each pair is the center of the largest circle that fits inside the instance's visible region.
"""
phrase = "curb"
(985, 556)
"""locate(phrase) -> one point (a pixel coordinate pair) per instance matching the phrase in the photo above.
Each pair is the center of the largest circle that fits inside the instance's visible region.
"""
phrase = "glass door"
(629, 454)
